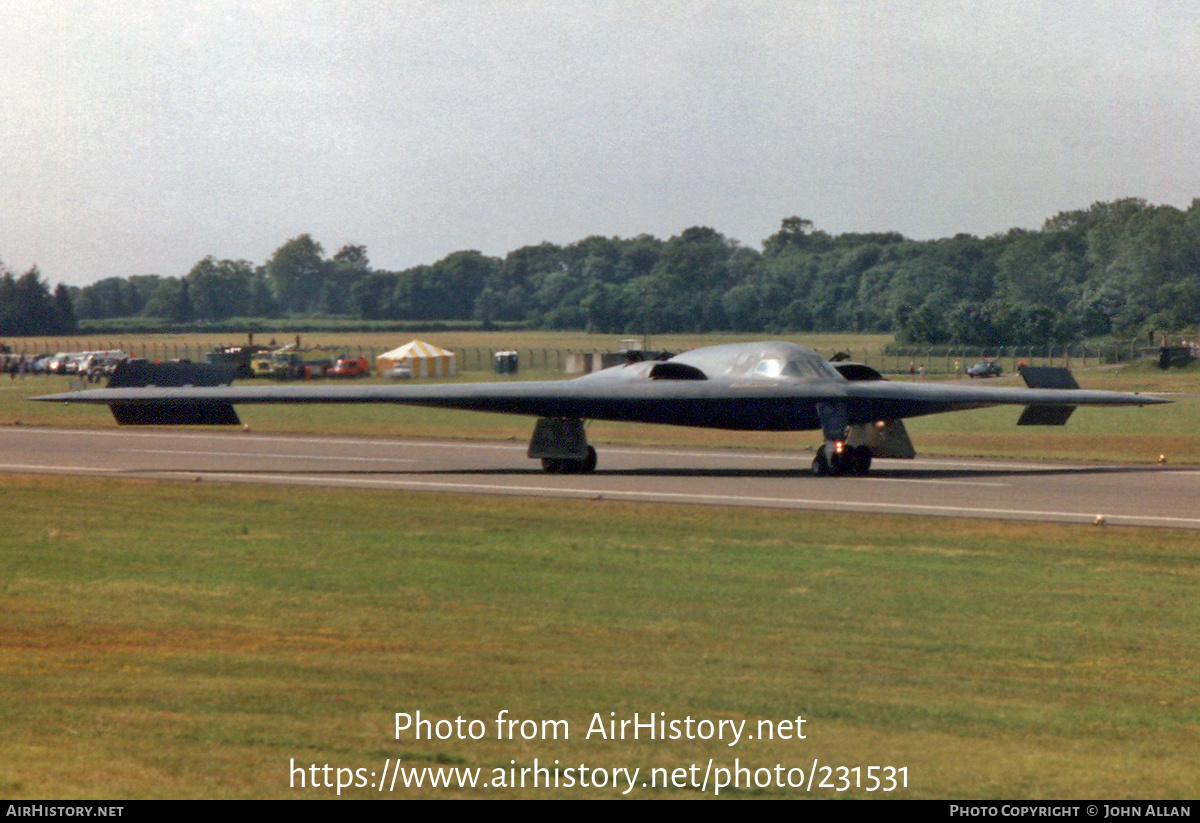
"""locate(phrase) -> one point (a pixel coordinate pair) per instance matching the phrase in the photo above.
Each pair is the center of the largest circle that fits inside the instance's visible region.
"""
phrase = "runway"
(1158, 496)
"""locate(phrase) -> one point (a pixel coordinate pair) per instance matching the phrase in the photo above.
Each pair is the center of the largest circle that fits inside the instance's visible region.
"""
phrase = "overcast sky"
(139, 137)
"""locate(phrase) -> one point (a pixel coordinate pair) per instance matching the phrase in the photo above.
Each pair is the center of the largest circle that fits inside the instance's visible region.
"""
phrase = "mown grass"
(144, 344)
(189, 640)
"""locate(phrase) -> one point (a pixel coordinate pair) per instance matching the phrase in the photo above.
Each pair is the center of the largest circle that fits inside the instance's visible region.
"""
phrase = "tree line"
(1113, 268)
(28, 307)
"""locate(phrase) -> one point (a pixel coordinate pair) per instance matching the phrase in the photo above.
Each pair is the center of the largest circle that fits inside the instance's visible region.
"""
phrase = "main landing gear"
(838, 459)
(567, 465)
(561, 445)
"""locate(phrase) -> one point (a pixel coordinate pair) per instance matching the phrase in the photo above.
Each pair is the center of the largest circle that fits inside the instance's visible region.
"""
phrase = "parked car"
(400, 371)
(97, 365)
(349, 367)
(986, 368)
(287, 364)
(59, 363)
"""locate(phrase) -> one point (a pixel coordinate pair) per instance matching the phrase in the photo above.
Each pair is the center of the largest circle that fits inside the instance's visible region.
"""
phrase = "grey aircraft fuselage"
(767, 386)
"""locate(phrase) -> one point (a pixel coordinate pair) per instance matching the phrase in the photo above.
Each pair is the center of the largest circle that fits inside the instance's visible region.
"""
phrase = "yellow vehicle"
(260, 365)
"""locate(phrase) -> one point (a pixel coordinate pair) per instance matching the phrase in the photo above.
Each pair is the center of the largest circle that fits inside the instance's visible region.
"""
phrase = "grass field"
(538, 348)
(573, 340)
(196, 640)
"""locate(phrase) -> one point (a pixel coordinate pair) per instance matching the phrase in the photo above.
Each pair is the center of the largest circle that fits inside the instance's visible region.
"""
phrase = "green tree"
(219, 289)
(26, 306)
(297, 271)
(64, 311)
(793, 234)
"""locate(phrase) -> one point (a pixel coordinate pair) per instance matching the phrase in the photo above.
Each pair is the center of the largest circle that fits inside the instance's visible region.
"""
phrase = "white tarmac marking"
(336, 458)
(401, 443)
(840, 505)
(975, 464)
(44, 468)
(750, 456)
(792, 502)
(935, 482)
(359, 441)
(433, 444)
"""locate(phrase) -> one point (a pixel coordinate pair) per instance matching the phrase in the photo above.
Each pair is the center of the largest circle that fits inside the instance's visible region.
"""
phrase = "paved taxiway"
(1154, 495)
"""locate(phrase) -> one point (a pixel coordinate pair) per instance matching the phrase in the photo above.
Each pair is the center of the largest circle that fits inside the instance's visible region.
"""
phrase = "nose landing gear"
(838, 459)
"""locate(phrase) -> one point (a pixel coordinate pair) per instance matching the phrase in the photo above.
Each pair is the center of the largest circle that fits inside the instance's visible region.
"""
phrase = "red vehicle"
(349, 367)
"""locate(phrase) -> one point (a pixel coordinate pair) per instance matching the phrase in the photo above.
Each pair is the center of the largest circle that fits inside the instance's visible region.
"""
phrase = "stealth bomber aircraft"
(767, 386)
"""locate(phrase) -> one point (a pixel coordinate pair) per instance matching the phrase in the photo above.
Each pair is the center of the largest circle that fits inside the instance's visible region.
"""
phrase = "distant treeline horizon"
(1116, 268)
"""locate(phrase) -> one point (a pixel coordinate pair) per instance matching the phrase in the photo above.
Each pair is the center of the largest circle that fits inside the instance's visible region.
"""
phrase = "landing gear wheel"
(855, 460)
(860, 460)
(820, 466)
(566, 465)
(839, 464)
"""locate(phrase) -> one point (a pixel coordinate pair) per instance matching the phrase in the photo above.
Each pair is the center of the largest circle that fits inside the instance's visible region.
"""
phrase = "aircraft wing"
(622, 393)
(887, 400)
(769, 386)
(595, 397)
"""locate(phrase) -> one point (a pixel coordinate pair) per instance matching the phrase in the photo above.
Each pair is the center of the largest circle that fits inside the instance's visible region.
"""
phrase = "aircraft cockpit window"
(789, 368)
(822, 369)
(802, 368)
(769, 368)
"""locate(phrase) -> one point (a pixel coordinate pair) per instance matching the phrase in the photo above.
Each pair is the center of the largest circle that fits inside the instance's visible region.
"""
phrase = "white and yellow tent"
(425, 359)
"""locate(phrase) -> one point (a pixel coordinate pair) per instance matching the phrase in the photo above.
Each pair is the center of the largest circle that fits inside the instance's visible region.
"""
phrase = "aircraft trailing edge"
(768, 386)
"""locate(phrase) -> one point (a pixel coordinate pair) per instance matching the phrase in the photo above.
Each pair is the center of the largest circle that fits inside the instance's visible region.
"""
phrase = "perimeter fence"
(889, 359)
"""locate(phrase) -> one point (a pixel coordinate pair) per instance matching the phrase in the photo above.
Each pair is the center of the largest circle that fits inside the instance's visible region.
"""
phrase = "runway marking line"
(416, 443)
(348, 458)
(45, 468)
(332, 457)
(576, 492)
(936, 482)
(840, 505)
